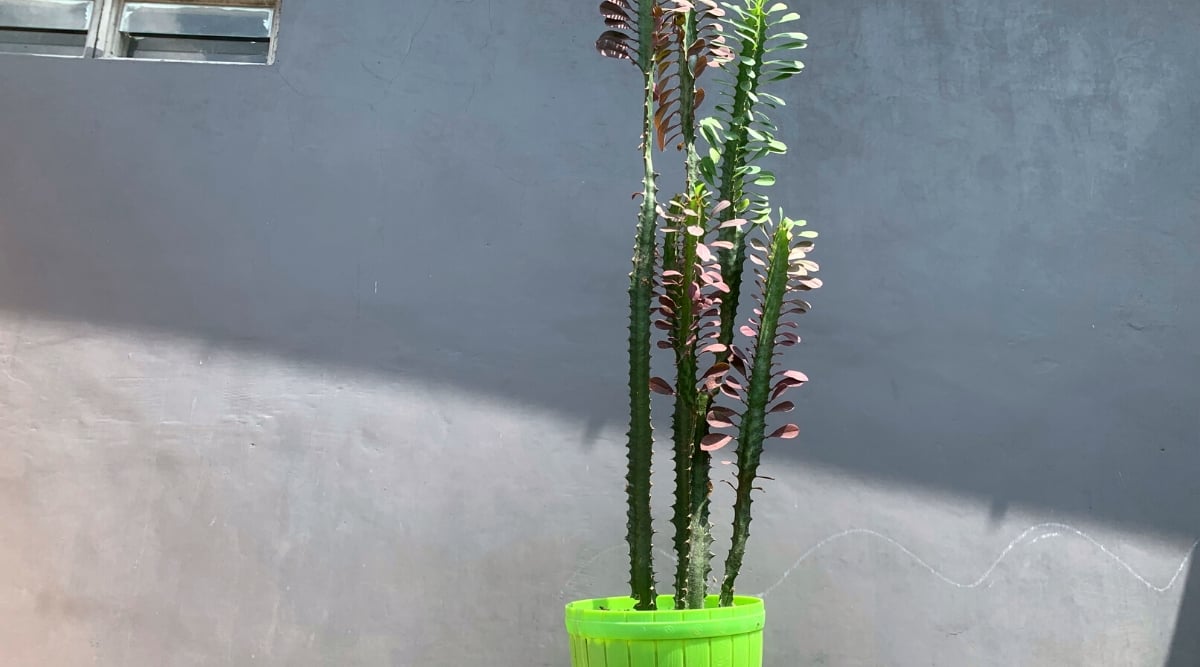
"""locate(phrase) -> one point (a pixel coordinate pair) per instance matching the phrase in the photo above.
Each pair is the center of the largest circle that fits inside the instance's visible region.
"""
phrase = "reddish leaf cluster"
(800, 279)
(707, 49)
(618, 41)
(686, 227)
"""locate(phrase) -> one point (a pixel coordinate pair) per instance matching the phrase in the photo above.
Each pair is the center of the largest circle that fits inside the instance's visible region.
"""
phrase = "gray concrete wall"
(322, 363)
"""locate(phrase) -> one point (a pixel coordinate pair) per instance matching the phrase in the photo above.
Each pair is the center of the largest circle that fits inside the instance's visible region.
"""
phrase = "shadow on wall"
(1185, 645)
(1009, 232)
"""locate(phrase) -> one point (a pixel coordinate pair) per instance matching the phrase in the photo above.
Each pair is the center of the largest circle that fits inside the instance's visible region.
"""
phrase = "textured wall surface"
(322, 363)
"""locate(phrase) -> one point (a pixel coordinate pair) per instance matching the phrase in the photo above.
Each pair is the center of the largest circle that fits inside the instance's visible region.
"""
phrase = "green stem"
(733, 160)
(752, 431)
(641, 436)
(686, 395)
(693, 537)
(699, 557)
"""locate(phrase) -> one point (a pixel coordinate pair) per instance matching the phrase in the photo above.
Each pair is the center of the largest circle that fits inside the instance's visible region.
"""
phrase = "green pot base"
(607, 632)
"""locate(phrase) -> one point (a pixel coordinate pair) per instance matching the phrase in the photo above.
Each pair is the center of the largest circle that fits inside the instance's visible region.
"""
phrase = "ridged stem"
(641, 289)
(752, 431)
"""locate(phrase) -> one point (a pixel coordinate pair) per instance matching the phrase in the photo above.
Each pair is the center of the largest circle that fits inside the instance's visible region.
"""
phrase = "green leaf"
(772, 99)
(788, 46)
(711, 129)
(765, 178)
(786, 18)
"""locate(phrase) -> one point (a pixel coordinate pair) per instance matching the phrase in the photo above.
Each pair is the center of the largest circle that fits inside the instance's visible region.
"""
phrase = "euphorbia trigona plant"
(688, 265)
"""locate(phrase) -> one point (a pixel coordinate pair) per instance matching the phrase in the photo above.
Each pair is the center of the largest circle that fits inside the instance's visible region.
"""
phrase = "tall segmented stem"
(734, 157)
(641, 290)
(753, 428)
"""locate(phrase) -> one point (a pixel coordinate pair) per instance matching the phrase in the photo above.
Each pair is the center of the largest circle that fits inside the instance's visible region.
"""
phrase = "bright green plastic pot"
(606, 632)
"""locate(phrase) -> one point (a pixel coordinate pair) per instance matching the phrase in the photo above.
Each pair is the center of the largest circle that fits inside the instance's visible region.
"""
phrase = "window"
(225, 31)
(52, 27)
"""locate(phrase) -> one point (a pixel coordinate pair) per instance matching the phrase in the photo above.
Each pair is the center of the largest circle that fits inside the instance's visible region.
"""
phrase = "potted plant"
(687, 297)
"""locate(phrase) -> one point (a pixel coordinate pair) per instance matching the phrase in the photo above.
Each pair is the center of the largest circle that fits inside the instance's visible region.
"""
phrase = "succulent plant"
(689, 263)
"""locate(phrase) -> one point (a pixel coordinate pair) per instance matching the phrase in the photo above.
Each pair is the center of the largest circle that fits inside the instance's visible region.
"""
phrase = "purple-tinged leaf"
(730, 392)
(794, 375)
(717, 370)
(614, 44)
(718, 421)
(714, 348)
(785, 406)
(664, 345)
(723, 412)
(714, 441)
(787, 432)
(661, 386)
(610, 9)
(787, 339)
(723, 245)
(747, 330)
(721, 206)
(783, 385)
(695, 230)
(736, 222)
(662, 324)
(703, 252)
(757, 260)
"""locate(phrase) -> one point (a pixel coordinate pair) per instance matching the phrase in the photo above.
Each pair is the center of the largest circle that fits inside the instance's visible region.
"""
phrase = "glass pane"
(208, 49)
(153, 18)
(45, 42)
(46, 14)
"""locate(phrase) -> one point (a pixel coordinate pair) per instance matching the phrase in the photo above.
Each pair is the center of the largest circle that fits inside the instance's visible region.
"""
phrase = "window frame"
(105, 41)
